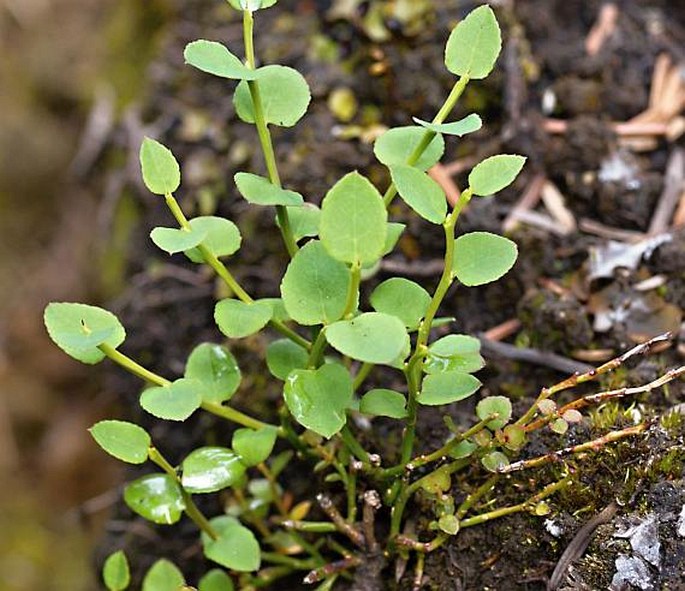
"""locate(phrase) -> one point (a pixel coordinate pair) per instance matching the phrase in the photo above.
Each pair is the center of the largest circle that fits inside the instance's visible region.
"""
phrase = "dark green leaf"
(481, 257)
(157, 497)
(163, 576)
(236, 548)
(217, 369)
(161, 173)
(260, 191)
(215, 580)
(474, 45)
(500, 405)
(173, 240)
(222, 237)
(455, 352)
(237, 319)
(175, 402)
(459, 128)
(209, 469)
(384, 403)
(283, 356)
(115, 572)
(402, 298)
(254, 446)
(125, 441)
(495, 173)
(444, 388)
(420, 192)
(396, 145)
(215, 58)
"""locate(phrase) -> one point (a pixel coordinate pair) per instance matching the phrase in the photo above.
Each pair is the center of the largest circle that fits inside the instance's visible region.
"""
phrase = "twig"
(334, 515)
(528, 200)
(596, 229)
(604, 27)
(339, 566)
(372, 502)
(554, 202)
(674, 184)
(540, 220)
(502, 331)
(441, 176)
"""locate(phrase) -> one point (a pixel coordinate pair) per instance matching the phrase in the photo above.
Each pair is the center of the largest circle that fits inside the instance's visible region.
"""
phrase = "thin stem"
(235, 416)
(353, 291)
(294, 563)
(362, 374)
(353, 445)
(476, 495)
(317, 350)
(317, 527)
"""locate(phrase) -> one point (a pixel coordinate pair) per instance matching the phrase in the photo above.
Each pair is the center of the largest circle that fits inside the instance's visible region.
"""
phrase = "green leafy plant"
(329, 345)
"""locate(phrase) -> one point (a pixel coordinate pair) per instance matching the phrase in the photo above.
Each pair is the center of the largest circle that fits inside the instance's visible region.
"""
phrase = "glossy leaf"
(444, 388)
(125, 441)
(78, 329)
(481, 257)
(175, 402)
(283, 356)
(372, 337)
(173, 240)
(495, 461)
(402, 298)
(222, 237)
(284, 92)
(314, 288)
(161, 172)
(304, 220)
(251, 4)
(164, 575)
(260, 191)
(455, 352)
(209, 469)
(156, 497)
(216, 368)
(396, 145)
(215, 58)
(318, 399)
(238, 319)
(215, 580)
(353, 221)
(254, 446)
(459, 128)
(495, 173)
(236, 547)
(420, 192)
(474, 45)
(384, 403)
(491, 405)
(115, 572)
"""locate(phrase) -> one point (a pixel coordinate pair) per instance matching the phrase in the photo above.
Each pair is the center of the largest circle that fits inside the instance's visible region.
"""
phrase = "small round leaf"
(459, 128)
(215, 58)
(455, 352)
(495, 173)
(254, 446)
(238, 319)
(156, 497)
(260, 191)
(215, 580)
(173, 240)
(304, 220)
(164, 575)
(402, 298)
(499, 405)
(495, 461)
(384, 403)
(481, 257)
(474, 45)
(283, 356)
(559, 426)
(396, 145)
(115, 572)
(161, 173)
(175, 402)
(420, 192)
(449, 524)
(444, 388)
(463, 449)
(236, 548)
(125, 441)
(372, 337)
(209, 469)
(222, 237)
(217, 369)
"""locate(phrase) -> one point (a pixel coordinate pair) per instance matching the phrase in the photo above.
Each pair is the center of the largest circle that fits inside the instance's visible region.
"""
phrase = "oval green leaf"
(420, 192)
(284, 92)
(161, 173)
(175, 402)
(260, 191)
(304, 220)
(459, 128)
(238, 319)
(402, 298)
(215, 580)
(115, 572)
(78, 329)
(396, 145)
(448, 387)
(393, 236)
(481, 257)
(495, 173)
(495, 461)
(384, 403)
(283, 356)
(236, 548)
(499, 405)
(455, 352)
(222, 237)
(216, 368)
(209, 469)
(156, 497)
(474, 45)
(372, 337)
(164, 575)
(125, 441)
(254, 446)
(173, 240)
(215, 58)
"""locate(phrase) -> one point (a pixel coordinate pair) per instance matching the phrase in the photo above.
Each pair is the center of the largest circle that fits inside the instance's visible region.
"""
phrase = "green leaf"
(514, 437)
(216, 368)
(463, 449)
(215, 580)
(156, 497)
(175, 402)
(459, 128)
(402, 298)
(314, 288)
(494, 461)
(215, 58)
(125, 441)
(474, 45)
(444, 388)
(495, 173)
(491, 405)
(115, 572)
(260, 191)
(393, 236)
(283, 356)
(353, 220)
(209, 469)
(251, 4)
(384, 403)
(284, 92)
(163, 576)
(254, 446)
(238, 319)
(304, 220)
(455, 352)
(318, 399)
(236, 547)
(396, 145)
(372, 337)
(161, 173)
(420, 192)
(79, 329)
(481, 257)
(173, 240)
(222, 237)
(449, 524)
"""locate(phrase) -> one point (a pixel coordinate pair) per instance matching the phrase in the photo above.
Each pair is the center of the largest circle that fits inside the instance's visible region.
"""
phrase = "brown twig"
(503, 331)
(338, 520)
(372, 502)
(554, 203)
(596, 229)
(674, 184)
(339, 566)
(604, 27)
(441, 176)
(528, 200)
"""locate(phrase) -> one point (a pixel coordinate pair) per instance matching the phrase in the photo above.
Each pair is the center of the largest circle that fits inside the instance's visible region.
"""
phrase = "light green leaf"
(420, 192)
(156, 497)
(283, 356)
(216, 368)
(164, 575)
(402, 298)
(448, 387)
(455, 352)
(79, 329)
(209, 469)
(254, 446)
(237, 319)
(260, 191)
(495, 173)
(495, 461)
(314, 288)
(115, 572)
(396, 145)
(354, 221)
(173, 240)
(459, 128)
(236, 548)
(215, 580)
(463, 449)
(125, 441)
(222, 237)
(384, 403)
(481, 257)
(215, 58)
(491, 405)
(474, 45)
(318, 399)
(175, 402)
(372, 337)
(304, 220)
(251, 4)
(449, 524)
(161, 173)
(393, 236)
(284, 92)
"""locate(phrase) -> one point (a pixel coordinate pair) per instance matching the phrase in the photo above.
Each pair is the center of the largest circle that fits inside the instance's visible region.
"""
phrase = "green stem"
(294, 563)
(476, 495)
(317, 527)
(317, 350)
(362, 374)
(353, 445)
(353, 291)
